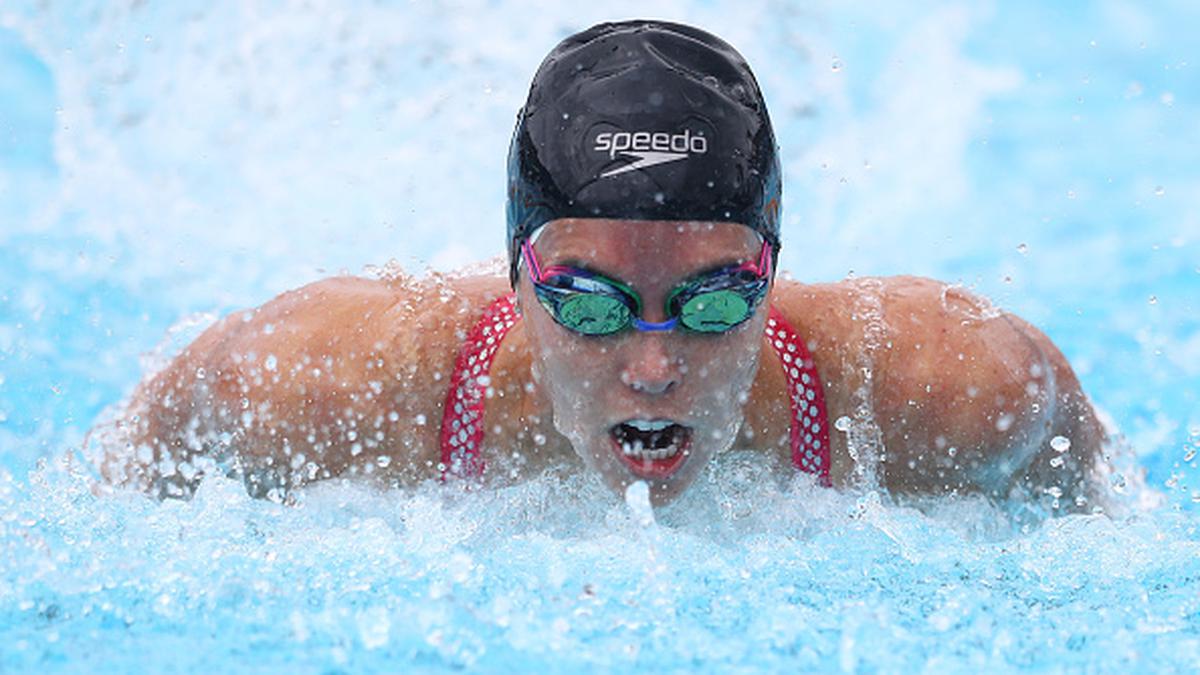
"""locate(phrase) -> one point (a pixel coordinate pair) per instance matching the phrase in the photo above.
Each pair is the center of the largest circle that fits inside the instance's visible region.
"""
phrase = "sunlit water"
(163, 161)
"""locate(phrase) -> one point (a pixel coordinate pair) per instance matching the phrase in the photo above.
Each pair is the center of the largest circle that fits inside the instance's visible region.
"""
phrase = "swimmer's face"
(676, 395)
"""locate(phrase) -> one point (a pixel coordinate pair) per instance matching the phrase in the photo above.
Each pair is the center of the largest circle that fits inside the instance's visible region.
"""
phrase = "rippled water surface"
(160, 163)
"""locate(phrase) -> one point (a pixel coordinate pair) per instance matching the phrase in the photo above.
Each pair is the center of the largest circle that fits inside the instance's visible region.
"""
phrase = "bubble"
(1060, 443)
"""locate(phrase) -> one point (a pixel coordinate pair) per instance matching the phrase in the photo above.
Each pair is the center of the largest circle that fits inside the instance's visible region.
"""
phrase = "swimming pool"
(159, 164)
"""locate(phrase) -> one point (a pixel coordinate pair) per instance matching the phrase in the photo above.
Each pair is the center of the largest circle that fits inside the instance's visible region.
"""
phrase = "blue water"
(163, 163)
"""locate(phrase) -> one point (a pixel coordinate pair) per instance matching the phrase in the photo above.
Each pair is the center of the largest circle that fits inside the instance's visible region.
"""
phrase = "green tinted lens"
(714, 312)
(593, 314)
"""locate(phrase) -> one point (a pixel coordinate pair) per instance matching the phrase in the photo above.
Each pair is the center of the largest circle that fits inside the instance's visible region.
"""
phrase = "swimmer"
(642, 327)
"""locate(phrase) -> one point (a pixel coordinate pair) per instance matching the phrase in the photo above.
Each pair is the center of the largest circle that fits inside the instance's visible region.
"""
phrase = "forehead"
(666, 244)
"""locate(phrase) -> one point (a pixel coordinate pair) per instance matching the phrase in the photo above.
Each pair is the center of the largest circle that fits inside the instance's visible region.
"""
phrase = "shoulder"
(924, 342)
(914, 328)
(347, 324)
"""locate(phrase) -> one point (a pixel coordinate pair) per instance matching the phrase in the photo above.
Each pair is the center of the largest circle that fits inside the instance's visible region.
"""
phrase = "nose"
(649, 366)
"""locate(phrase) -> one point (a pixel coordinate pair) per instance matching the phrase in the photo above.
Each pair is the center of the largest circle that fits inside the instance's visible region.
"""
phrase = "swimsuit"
(462, 416)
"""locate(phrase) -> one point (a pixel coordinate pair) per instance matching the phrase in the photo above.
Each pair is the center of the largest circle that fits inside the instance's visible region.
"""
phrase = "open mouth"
(651, 448)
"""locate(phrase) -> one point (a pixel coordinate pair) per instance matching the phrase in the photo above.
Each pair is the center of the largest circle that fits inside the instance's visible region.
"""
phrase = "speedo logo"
(648, 148)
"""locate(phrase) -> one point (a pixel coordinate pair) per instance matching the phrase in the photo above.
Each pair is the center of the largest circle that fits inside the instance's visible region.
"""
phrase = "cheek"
(729, 368)
(561, 367)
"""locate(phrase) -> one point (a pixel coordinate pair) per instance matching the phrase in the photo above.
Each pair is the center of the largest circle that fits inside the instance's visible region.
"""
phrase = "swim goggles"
(592, 304)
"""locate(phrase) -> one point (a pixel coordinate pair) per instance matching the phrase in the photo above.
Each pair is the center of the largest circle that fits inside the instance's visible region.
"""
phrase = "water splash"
(864, 439)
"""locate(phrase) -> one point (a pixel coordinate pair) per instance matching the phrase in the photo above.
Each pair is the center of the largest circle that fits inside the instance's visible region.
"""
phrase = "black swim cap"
(643, 120)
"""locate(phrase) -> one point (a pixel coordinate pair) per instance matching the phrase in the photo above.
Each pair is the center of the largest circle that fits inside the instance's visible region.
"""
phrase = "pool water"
(161, 164)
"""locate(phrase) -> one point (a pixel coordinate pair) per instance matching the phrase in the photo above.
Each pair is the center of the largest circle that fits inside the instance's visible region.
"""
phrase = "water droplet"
(1060, 443)
(1070, 194)
(1022, 248)
(200, 374)
(836, 66)
(1004, 422)
(1160, 191)
(842, 424)
(1118, 483)
(1153, 300)
(271, 363)
(420, 420)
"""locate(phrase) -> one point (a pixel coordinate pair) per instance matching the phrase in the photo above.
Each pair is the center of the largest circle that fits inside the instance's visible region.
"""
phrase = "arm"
(965, 397)
(972, 398)
(341, 376)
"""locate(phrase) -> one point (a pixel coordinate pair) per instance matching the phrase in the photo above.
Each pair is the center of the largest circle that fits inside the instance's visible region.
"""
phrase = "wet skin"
(347, 376)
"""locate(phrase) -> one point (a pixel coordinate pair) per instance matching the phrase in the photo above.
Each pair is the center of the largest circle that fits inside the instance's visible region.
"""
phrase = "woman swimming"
(643, 230)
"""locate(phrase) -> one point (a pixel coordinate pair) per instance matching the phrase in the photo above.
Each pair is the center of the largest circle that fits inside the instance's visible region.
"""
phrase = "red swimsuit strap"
(809, 433)
(462, 415)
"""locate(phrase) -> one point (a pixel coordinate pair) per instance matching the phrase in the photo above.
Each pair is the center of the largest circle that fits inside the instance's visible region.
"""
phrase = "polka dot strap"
(809, 433)
(462, 416)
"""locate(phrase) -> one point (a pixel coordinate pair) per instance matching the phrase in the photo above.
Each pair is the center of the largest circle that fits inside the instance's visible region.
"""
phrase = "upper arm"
(323, 380)
(328, 375)
(965, 395)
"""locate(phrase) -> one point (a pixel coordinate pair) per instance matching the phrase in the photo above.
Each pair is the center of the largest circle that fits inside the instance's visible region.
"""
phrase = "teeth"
(635, 449)
(649, 425)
